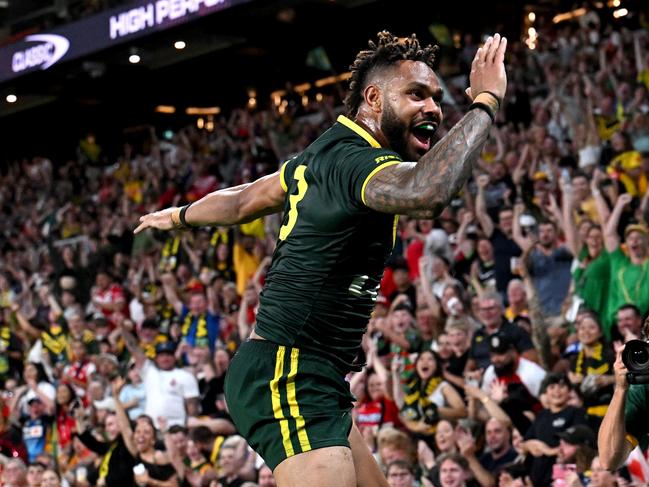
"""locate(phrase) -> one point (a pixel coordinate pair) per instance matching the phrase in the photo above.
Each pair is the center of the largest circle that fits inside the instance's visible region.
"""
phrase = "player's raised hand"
(158, 219)
(488, 68)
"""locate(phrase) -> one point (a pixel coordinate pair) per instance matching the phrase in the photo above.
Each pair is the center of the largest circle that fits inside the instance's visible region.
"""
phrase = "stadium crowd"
(490, 351)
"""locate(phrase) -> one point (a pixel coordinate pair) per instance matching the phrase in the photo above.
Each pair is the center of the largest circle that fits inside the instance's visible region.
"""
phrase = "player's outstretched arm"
(228, 206)
(424, 188)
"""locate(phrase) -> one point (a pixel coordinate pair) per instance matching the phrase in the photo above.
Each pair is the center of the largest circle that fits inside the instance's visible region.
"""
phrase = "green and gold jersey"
(325, 274)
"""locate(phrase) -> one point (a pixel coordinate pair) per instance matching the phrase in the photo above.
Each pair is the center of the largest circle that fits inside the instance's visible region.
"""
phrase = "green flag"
(317, 58)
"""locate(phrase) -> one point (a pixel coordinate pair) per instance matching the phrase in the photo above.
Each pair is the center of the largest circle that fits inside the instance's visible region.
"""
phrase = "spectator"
(171, 392)
(133, 394)
(400, 474)
(200, 325)
(500, 235)
(108, 296)
(116, 466)
(591, 369)
(541, 441)
(454, 471)
(517, 299)
(425, 397)
(512, 370)
(51, 478)
(14, 474)
(141, 445)
(629, 322)
(35, 474)
(499, 451)
(266, 478)
(627, 271)
(491, 315)
(577, 445)
(549, 263)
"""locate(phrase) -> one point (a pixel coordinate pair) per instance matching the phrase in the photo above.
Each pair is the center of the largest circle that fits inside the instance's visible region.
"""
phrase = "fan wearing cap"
(577, 445)
(200, 323)
(509, 368)
(541, 440)
(36, 426)
(171, 392)
(629, 265)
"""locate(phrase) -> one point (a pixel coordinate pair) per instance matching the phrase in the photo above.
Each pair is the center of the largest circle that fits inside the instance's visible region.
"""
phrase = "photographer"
(624, 426)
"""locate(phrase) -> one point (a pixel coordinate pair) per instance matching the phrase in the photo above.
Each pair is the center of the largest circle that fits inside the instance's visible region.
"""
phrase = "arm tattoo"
(424, 188)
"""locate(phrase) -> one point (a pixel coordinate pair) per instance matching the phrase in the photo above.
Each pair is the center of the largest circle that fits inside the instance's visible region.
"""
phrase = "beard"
(505, 369)
(396, 132)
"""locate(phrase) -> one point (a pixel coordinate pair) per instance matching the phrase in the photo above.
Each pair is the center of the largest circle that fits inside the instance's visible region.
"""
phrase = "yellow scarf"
(201, 326)
(103, 468)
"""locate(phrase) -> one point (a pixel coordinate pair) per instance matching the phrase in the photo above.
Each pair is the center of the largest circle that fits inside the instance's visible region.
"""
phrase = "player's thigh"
(368, 472)
(332, 466)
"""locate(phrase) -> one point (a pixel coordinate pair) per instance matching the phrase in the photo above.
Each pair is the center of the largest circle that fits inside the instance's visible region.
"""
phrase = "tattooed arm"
(424, 188)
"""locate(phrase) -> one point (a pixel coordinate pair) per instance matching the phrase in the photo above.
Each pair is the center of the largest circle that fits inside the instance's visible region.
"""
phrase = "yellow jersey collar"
(350, 124)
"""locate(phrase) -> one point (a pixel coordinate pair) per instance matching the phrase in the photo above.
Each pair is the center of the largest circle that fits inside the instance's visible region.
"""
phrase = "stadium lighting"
(165, 109)
(203, 110)
(11, 98)
(569, 15)
(134, 59)
(620, 13)
(180, 45)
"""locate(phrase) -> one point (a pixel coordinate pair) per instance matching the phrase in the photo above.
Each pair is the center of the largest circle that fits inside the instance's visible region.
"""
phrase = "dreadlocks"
(386, 52)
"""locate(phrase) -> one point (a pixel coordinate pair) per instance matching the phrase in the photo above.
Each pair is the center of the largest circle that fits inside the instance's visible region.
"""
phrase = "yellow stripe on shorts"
(292, 403)
(277, 405)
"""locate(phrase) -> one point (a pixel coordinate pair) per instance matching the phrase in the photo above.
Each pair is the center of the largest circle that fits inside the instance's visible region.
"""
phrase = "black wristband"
(480, 106)
(181, 216)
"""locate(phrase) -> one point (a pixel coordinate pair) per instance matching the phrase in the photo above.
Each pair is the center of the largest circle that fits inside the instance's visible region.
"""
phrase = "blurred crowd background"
(490, 351)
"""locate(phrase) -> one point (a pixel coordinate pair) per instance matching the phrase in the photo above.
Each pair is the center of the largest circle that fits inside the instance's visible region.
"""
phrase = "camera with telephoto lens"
(636, 358)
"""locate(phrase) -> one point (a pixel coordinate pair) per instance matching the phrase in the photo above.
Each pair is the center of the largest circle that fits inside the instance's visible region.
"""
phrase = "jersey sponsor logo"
(52, 47)
(388, 157)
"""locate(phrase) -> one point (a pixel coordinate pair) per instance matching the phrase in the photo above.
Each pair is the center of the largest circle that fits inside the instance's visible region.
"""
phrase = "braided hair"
(387, 51)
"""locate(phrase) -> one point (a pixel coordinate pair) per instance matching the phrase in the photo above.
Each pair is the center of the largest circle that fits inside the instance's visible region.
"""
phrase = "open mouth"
(423, 134)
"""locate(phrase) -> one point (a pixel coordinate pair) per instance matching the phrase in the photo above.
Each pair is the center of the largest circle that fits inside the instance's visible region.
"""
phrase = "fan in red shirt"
(376, 409)
(108, 297)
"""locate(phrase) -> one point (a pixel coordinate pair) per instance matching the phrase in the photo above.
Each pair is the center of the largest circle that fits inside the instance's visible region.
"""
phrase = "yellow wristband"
(175, 218)
(488, 99)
